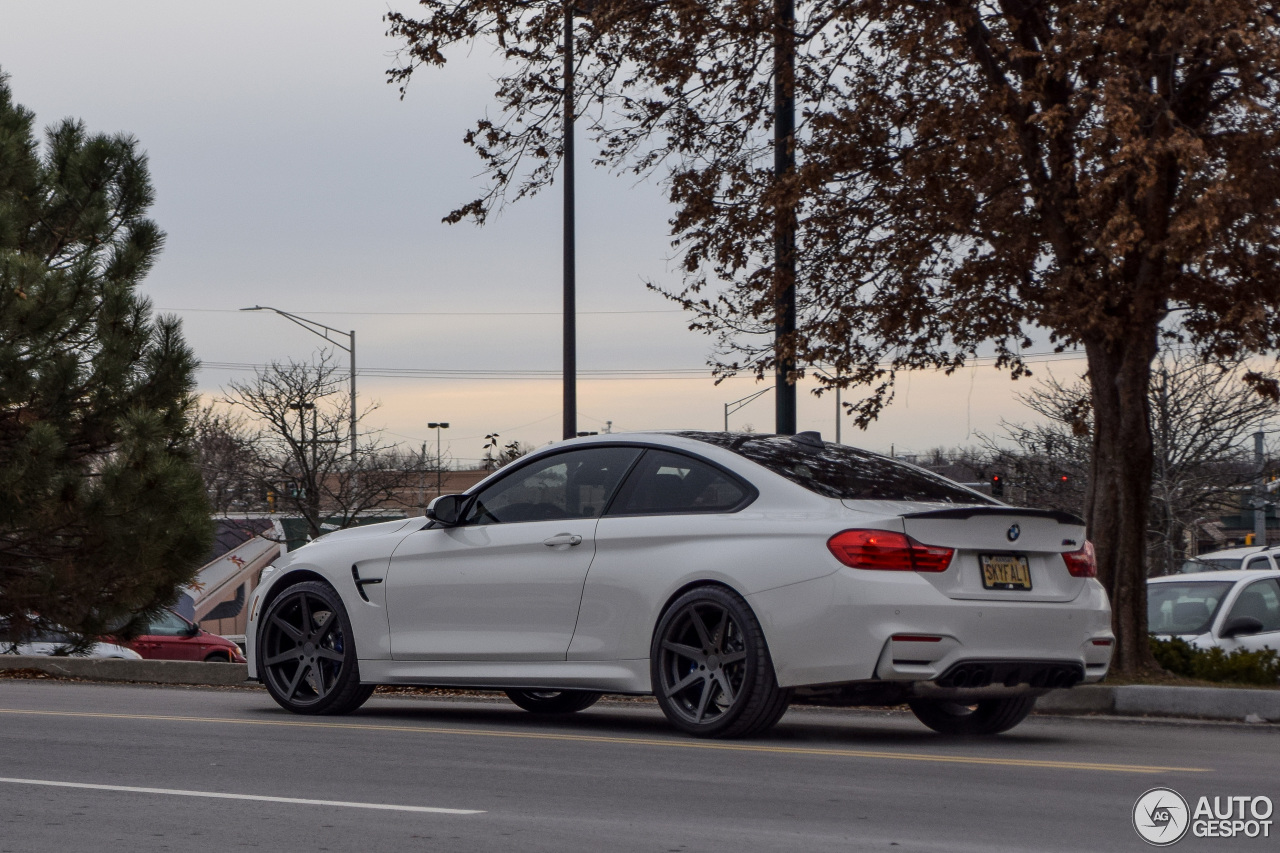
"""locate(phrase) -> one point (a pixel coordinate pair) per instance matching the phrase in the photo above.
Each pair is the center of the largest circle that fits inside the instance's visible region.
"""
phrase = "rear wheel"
(989, 717)
(553, 701)
(712, 674)
(306, 653)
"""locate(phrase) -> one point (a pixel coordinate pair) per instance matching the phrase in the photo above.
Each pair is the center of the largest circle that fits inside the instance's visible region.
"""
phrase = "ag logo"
(1014, 532)
(1160, 816)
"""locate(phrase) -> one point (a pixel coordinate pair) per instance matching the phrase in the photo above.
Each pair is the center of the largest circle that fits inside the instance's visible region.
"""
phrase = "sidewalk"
(1211, 703)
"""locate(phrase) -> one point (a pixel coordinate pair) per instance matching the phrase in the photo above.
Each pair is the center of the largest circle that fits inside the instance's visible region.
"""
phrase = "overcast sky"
(289, 173)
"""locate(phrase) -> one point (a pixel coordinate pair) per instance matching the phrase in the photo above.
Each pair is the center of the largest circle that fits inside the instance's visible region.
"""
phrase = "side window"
(168, 625)
(666, 482)
(1258, 562)
(1261, 600)
(577, 484)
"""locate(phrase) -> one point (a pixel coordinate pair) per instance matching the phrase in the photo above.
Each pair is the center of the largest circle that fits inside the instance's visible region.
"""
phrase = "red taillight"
(885, 550)
(1082, 563)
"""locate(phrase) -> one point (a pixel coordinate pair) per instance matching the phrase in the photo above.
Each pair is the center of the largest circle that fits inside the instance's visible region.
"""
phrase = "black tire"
(711, 670)
(218, 657)
(306, 652)
(990, 717)
(553, 701)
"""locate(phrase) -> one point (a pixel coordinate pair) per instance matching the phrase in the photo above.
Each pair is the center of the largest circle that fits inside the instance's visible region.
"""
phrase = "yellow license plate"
(1005, 571)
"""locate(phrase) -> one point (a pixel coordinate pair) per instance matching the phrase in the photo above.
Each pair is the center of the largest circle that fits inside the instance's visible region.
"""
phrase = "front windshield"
(1184, 608)
(1210, 564)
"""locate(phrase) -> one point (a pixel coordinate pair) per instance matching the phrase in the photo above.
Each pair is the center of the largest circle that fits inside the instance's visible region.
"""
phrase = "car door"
(672, 512)
(1259, 599)
(169, 638)
(506, 583)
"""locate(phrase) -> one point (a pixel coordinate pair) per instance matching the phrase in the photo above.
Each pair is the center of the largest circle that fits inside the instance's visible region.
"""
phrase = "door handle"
(563, 539)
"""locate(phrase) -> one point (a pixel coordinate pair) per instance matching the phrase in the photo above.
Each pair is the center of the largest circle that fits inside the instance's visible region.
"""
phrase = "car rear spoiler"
(961, 513)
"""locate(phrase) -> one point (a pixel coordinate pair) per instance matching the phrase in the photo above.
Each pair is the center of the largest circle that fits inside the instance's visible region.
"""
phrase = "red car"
(171, 637)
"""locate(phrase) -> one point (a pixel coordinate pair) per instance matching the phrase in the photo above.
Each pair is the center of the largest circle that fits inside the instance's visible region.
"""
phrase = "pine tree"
(102, 510)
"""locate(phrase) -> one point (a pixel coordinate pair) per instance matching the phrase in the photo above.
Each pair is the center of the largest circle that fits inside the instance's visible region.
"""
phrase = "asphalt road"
(152, 768)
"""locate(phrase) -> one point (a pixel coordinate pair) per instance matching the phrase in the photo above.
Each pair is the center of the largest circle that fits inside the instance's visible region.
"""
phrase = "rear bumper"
(842, 628)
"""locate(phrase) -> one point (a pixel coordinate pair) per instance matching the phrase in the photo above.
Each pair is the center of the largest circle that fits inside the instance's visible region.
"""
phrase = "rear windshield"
(1212, 564)
(1184, 608)
(845, 473)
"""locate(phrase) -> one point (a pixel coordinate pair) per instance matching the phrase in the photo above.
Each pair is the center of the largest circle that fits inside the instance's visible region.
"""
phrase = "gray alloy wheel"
(553, 701)
(306, 653)
(989, 717)
(712, 674)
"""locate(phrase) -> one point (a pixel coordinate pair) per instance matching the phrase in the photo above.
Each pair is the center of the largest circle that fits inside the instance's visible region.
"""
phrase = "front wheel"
(306, 653)
(712, 674)
(553, 701)
(990, 717)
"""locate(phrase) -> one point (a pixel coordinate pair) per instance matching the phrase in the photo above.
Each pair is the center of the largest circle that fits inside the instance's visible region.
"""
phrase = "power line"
(425, 313)
(554, 374)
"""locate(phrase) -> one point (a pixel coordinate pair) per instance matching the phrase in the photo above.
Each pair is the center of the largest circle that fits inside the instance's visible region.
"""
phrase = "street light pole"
(323, 331)
(570, 261)
(439, 457)
(730, 408)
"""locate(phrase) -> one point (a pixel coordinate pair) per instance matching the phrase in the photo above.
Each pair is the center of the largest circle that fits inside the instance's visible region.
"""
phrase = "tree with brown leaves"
(970, 175)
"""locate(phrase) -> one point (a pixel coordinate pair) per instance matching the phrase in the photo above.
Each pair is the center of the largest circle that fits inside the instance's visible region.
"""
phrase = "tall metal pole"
(352, 333)
(422, 492)
(323, 331)
(570, 306)
(839, 414)
(784, 243)
(1259, 493)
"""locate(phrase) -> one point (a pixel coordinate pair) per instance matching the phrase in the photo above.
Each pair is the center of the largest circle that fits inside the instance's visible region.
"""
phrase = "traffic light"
(997, 486)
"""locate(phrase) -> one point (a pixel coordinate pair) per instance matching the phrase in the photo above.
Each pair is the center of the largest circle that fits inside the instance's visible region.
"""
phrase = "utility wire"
(424, 313)
(553, 374)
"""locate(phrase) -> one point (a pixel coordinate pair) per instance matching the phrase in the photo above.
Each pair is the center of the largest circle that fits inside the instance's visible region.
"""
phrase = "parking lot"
(101, 767)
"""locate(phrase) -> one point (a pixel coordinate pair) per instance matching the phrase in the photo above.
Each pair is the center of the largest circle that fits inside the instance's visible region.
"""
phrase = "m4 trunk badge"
(1014, 532)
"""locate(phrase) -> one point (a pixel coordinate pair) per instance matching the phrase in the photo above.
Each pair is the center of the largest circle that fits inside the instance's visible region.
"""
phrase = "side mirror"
(1241, 625)
(448, 509)
(192, 629)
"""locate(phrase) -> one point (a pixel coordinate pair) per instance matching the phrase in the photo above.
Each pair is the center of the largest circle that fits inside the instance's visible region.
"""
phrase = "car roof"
(1235, 552)
(1231, 575)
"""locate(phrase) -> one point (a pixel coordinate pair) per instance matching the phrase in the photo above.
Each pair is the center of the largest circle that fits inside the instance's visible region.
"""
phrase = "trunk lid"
(1001, 535)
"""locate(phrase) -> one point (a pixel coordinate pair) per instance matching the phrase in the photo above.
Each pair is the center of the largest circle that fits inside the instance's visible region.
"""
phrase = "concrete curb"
(153, 671)
(1141, 700)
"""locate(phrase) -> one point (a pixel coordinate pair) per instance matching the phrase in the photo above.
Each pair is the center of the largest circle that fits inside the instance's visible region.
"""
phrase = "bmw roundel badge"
(1014, 532)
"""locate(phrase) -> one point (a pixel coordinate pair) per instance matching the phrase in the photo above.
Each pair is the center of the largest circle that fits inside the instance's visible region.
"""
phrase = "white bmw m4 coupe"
(725, 574)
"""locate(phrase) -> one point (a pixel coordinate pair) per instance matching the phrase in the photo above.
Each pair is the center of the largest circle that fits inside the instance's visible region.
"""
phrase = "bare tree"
(300, 449)
(223, 445)
(1202, 414)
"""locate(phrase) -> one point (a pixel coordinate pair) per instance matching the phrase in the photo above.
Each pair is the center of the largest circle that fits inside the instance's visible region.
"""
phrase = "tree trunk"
(1119, 495)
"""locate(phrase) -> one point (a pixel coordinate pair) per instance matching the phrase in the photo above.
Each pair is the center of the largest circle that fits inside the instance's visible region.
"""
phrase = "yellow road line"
(635, 741)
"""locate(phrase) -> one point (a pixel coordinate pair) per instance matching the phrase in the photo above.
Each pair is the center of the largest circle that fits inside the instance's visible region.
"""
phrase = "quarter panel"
(641, 561)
